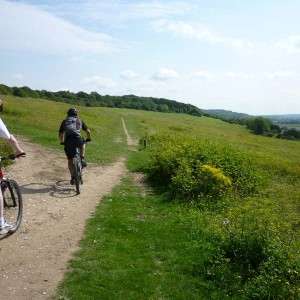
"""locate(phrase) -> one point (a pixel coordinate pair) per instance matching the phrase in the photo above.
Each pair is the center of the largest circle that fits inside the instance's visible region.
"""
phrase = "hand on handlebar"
(88, 140)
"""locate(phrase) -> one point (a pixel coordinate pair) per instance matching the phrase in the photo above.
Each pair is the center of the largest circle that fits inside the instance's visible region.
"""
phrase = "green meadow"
(220, 219)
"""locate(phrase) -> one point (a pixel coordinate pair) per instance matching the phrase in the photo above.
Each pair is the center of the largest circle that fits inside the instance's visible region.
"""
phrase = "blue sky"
(237, 55)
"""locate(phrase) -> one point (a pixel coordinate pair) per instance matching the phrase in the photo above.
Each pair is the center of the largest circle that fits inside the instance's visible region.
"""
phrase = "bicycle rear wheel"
(77, 174)
(12, 202)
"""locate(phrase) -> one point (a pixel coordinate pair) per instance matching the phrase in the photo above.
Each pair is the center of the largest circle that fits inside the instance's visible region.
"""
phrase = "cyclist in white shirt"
(5, 134)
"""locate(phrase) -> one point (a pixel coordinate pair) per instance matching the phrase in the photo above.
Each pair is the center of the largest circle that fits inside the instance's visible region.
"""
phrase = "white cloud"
(100, 82)
(62, 88)
(142, 87)
(18, 76)
(29, 28)
(165, 74)
(203, 75)
(242, 75)
(155, 9)
(129, 74)
(290, 44)
(279, 74)
(222, 74)
(107, 11)
(236, 75)
(200, 32)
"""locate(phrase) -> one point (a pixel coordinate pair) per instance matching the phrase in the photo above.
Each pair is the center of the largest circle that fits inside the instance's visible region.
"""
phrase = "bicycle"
(12, 198)
(77, 168)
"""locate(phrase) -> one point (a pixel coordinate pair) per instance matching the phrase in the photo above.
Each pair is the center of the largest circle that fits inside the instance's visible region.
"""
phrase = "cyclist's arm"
(15, 145)
(61, 137)
(88, 134)
(61, 132)
(4, 133)
(86, 129)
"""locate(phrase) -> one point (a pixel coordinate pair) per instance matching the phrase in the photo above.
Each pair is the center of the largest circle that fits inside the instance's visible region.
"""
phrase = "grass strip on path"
(134, 248)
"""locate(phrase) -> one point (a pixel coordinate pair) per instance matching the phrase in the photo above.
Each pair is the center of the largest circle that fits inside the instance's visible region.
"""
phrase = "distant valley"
(222, 113)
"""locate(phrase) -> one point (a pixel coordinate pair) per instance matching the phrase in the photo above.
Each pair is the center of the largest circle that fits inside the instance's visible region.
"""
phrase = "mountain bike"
(12, 198)
(77, 168)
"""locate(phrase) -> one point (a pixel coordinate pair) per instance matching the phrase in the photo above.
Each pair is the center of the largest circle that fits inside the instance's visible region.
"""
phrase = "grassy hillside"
(40, 120)
(231, 245)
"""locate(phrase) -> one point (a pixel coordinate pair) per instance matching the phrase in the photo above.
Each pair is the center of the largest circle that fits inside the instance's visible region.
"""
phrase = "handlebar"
(12, 157)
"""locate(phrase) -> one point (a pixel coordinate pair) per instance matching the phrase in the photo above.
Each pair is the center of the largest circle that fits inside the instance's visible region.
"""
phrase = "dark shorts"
(71, 143)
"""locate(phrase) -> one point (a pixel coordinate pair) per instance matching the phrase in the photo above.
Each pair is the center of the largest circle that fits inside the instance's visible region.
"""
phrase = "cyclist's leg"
(4, 227)
(82, 152)
(70, 166)
(2, 220)
(70, 150)
(12, 206)
(1, 207)
(80, 144)
(72, 171)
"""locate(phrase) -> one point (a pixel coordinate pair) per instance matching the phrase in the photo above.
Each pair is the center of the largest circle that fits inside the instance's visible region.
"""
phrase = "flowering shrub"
(191, 168)
(201, 181)
(216, 183)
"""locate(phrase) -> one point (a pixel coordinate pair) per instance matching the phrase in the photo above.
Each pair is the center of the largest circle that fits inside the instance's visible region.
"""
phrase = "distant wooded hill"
(95, 100)
(234, 117)
(227, 114)
(284, 119)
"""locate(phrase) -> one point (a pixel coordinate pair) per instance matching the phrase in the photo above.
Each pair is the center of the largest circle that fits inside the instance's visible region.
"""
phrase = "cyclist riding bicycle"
(6, 135)
(69, 136)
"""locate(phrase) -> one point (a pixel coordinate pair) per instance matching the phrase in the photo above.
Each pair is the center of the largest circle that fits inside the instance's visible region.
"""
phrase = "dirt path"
(34, 259)
(130, 142)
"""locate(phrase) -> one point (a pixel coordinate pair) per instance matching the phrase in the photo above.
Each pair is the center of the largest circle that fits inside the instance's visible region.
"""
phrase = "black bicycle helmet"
(72, 112)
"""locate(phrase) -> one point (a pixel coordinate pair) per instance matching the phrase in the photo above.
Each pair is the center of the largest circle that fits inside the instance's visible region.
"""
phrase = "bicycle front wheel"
(13, 203)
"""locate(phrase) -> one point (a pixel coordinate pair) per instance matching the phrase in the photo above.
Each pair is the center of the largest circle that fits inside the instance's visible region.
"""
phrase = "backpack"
(72, 126)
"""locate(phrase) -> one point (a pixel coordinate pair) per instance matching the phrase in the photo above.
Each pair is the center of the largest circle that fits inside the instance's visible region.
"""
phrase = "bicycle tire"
(12, 203)
(76, 174)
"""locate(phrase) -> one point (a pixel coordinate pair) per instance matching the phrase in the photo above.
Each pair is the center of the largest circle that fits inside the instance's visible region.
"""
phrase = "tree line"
(264, 126)
(259, 125)
(94, 99)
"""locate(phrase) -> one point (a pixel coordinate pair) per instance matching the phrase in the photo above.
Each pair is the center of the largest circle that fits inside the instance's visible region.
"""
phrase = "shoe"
(83, 163)
(72, 181)
(22, 154)
(6, 228)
